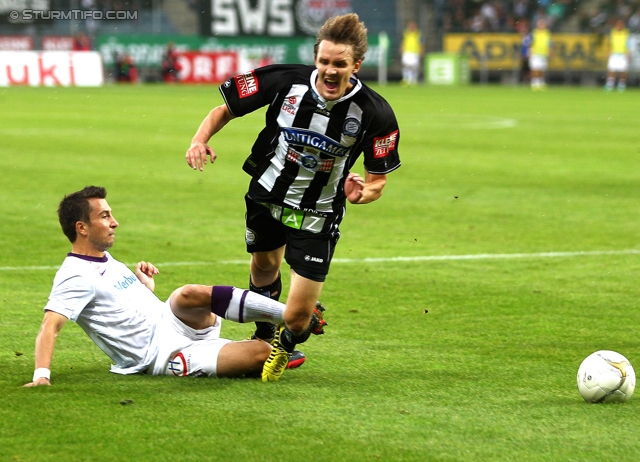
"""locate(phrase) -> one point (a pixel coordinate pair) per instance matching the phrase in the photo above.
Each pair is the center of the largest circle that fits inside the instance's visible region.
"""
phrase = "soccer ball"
(606, 377)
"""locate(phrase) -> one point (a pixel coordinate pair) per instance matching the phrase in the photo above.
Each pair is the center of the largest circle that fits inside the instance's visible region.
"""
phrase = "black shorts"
(310, 239)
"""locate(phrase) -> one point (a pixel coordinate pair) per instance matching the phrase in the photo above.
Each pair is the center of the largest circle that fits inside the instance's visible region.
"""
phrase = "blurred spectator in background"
(412, 51)
(633, 24)
(478, 22)
(583, 22)
(521, 9)
(459, 19)
(539, 54)
(622, 9)
(124, 68)
(598, 21)
(81, 42)
(502, 15)
(489, 13)
(555, 12)
(618, 63)
(170, 64)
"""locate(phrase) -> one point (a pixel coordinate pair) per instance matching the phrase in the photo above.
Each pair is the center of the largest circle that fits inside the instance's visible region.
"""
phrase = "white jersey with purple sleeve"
(106, 299)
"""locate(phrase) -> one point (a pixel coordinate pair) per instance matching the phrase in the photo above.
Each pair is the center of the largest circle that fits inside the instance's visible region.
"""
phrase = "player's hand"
(145, 272)
(197, 155)
(353, 187)
(41, 382)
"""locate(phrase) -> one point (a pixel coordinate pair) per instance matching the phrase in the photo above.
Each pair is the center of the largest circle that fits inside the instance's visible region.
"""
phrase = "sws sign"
(274, 18)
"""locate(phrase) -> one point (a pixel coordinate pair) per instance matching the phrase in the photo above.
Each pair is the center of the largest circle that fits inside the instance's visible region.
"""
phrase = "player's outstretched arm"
(145, 272)
(364, 191)
(199, 150)
(45, 342)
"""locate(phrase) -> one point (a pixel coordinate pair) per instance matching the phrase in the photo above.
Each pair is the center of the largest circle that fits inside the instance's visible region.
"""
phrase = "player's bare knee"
(262, 272)
(193, 295)
(297, 322)
(262, 352)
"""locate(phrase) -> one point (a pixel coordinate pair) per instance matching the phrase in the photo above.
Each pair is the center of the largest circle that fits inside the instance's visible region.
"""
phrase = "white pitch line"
(490, 256)
(480, 256)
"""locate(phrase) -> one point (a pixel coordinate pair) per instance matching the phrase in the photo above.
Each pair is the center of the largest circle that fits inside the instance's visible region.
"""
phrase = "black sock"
(266, 330)
(289, 340)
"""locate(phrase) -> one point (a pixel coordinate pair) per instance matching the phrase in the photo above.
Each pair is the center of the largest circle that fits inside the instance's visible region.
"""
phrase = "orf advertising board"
(51, 68)
(206, 67)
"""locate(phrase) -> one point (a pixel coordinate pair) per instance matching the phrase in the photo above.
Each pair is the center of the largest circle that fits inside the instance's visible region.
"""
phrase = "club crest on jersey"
(351, 127)
(384, 145)
(249, 236)
(247, 84)
(310, 161)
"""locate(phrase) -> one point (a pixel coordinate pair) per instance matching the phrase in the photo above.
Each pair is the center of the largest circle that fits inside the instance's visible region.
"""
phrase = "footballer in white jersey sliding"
(120, 313)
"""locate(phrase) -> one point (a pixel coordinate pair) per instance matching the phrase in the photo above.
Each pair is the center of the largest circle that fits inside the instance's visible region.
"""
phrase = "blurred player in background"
(525, 47)
(121, 314)
(412, 50)
(618, 63)
(539, 53)
(318, 122)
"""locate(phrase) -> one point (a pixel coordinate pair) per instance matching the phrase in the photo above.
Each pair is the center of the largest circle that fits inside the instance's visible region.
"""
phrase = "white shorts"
(184, 351)
(538, 63)
(618, 62)
(411, 60)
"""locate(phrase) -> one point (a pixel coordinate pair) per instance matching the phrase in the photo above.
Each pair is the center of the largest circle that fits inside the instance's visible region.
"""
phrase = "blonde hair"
(345, 30)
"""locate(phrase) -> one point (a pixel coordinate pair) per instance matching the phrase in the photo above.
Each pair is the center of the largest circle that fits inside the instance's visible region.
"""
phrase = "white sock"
(246, 306)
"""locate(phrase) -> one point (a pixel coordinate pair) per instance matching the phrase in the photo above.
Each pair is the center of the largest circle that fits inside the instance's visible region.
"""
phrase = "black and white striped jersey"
(303, 155)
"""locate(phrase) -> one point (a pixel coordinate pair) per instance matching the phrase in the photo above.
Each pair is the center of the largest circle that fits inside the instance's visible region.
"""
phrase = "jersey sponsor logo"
(310, 162)
(126, 282)
(292, 218)
(305, 221)
(302, 137)
(247, 84)
(351, 127)
(384, 145)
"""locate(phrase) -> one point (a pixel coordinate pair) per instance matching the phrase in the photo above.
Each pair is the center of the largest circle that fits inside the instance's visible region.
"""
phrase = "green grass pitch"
(499, 212)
